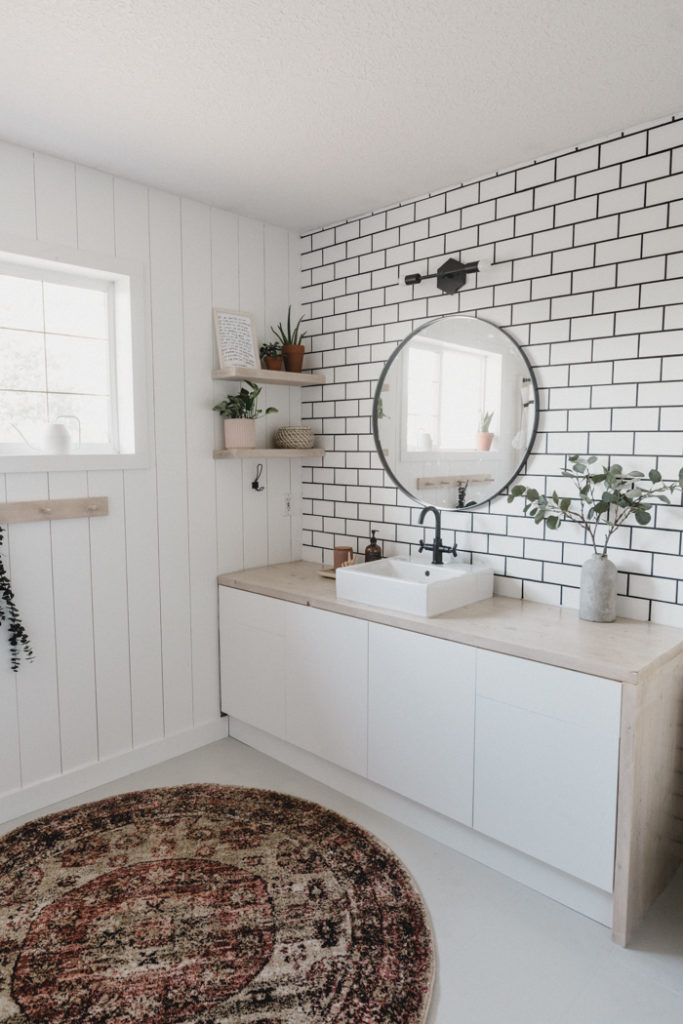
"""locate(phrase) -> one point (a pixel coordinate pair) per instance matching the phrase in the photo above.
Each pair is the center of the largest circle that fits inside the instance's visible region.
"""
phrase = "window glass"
(21, 303)
(57, 352)
(22, 360)
(70, 309)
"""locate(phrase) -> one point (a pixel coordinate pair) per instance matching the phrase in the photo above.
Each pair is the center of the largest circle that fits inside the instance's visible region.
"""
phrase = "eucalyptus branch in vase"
(17, 635)
(605, 500)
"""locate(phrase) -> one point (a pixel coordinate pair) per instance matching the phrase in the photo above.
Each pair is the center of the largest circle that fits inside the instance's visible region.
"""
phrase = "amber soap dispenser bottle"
(373, 551)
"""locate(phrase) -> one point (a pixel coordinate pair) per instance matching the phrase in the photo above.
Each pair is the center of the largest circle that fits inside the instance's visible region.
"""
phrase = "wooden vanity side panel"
(650, 761)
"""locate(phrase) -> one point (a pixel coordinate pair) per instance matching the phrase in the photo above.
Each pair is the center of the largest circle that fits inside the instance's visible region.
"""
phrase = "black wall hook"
(255, 482)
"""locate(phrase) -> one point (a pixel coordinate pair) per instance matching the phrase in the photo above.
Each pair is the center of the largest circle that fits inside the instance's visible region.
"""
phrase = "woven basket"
(293, 437)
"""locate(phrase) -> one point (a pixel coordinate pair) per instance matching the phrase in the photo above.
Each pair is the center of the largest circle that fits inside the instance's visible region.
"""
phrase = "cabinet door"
(252, 637)
(326, 665)
(546, 760)
(421, 719)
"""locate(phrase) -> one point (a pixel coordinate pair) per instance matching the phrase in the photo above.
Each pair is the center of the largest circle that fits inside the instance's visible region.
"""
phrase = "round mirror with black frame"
(455, 412)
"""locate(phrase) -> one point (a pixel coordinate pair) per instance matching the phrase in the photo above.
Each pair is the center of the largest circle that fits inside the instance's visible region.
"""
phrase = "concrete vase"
(598, 598)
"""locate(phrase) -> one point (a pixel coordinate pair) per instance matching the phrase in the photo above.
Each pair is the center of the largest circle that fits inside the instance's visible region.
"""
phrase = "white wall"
(588, 246)
(122, 610)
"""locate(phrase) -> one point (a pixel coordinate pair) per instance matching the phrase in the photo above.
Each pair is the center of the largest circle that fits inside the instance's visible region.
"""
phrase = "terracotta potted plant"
(239, 413)
(484, 436)
(291, 343)
(271, 354)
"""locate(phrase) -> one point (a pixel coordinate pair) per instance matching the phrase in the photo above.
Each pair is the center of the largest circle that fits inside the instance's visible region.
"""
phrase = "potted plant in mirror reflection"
(271, 354)
(239, 412)
(606, 499)
(484, 436)
(291, 342)
(16, 634)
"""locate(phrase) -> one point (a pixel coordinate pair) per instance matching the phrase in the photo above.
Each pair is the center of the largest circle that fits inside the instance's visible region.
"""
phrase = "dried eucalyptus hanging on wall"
(17, 635)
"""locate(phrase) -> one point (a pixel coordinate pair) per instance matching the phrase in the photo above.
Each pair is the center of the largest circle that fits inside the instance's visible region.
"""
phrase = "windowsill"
(71, 463)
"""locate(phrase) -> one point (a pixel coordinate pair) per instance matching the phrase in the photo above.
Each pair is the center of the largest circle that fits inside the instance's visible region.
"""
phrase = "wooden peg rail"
(59, 508)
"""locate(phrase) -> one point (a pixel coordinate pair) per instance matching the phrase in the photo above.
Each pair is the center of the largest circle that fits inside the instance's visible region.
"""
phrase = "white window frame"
(129, 353)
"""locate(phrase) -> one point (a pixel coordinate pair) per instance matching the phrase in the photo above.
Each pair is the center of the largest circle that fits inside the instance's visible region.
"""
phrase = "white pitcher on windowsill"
(55, 438)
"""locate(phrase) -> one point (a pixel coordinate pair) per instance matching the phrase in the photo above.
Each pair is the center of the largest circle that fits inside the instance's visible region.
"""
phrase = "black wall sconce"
(450, 277)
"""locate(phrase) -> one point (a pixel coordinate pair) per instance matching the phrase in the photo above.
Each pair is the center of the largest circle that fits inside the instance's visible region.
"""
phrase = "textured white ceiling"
(305, 112)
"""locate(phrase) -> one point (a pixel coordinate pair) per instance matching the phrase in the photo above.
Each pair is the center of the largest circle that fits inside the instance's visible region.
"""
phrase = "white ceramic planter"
(598, 598)
(239, 433)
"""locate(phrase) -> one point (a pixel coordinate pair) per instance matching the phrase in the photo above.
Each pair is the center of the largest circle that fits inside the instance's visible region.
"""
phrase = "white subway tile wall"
(587, 276)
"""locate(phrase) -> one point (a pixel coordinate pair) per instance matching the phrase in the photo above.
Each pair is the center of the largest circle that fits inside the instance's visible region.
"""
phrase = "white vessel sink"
(415, 587)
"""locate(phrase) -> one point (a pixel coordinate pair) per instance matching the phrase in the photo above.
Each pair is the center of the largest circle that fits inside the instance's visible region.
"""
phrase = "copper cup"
(342, 553)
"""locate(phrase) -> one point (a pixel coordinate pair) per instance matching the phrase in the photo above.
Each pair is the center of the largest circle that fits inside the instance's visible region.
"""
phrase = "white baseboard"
(571, 892)
(61, 787)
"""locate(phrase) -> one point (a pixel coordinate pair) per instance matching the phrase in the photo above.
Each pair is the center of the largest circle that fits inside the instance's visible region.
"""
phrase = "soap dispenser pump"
(373, 551)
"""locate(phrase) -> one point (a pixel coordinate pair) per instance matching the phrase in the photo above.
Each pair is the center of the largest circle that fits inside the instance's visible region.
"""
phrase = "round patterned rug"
(208, 905)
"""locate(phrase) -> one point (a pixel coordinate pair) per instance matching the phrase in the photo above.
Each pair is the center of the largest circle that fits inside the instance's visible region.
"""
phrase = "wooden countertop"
(625, 650)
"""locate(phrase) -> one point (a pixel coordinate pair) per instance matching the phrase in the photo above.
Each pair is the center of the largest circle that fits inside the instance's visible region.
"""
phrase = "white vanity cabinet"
(523, 752)
(546, 763)
(421, 719)
(296, 673)
(539, 744)
(326, 685)
(252, 651)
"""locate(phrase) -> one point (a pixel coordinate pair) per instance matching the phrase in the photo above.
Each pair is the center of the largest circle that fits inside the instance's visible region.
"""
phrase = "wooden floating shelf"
(268, 453)
(259, 376)
(59, 508)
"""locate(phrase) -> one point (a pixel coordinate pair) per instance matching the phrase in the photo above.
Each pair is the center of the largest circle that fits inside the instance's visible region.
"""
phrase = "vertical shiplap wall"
(122, 611)
(587, 247)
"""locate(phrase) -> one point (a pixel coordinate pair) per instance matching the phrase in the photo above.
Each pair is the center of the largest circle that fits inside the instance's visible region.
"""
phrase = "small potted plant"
(484, 436)
(271, 354)
(605, 500)
(239, 413)
(291, 343)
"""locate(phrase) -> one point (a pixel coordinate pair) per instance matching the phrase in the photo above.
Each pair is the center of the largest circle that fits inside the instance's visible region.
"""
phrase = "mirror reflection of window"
(450, 387)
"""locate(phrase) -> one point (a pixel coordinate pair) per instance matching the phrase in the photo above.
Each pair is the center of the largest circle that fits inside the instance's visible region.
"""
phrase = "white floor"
(506, 955)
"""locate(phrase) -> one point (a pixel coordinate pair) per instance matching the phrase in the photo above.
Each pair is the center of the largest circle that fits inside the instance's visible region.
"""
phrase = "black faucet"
(437, 548)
